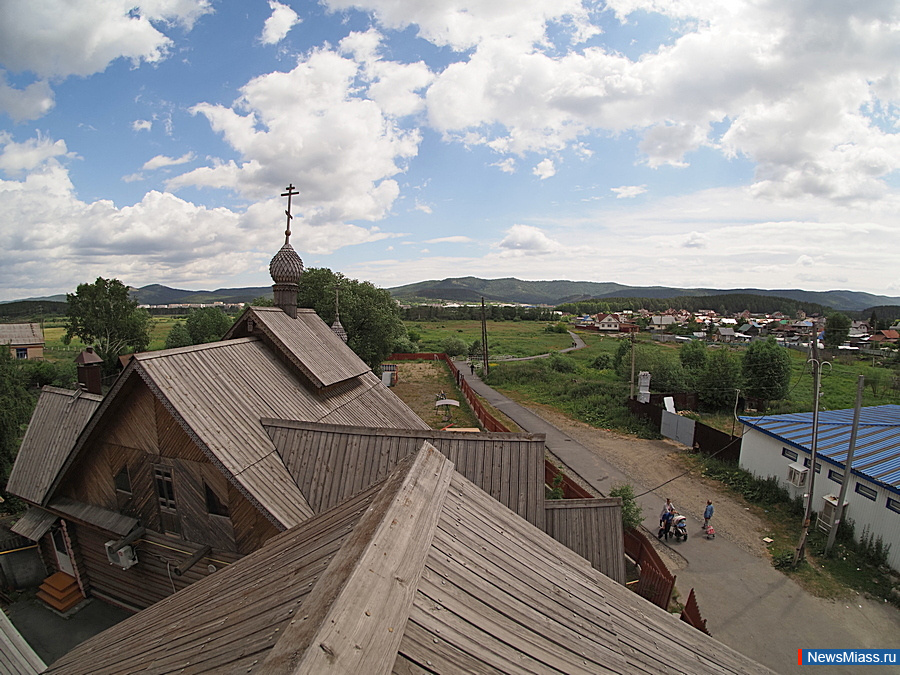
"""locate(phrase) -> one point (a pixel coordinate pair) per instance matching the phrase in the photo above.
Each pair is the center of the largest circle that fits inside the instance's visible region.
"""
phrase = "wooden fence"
(706, 440)
(571, 489)
(656, 583)
(691, 613)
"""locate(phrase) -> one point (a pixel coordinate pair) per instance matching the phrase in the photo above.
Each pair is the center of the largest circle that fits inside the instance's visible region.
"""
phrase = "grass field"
(54, 330)
(505, 338)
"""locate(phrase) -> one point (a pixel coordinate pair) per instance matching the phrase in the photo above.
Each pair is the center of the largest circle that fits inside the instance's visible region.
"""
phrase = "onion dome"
(286, 267)
(338, 329)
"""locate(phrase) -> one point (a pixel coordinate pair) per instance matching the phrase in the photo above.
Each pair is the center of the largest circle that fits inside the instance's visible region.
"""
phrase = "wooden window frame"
(164, 480)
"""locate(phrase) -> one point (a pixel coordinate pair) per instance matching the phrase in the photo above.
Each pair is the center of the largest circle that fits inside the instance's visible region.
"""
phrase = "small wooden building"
(25, 340)
(421, 573)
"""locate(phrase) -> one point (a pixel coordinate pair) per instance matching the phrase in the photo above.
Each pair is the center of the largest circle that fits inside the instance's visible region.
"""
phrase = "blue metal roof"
(877, 453)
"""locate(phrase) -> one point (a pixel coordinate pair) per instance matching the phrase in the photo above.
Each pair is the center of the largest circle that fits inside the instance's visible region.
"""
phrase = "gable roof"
(218, 392)
(307, 341)
(330, 463)
(58, 418)
(423, 568)
(21, 334)
(877, 452)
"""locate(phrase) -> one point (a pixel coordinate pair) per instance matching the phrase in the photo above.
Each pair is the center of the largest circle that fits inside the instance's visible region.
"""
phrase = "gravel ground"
(649, 464)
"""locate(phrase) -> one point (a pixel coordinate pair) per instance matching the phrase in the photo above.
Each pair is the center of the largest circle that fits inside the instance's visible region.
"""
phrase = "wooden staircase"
(60, 591)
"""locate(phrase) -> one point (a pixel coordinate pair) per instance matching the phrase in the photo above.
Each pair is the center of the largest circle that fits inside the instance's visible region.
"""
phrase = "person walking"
(707, 514)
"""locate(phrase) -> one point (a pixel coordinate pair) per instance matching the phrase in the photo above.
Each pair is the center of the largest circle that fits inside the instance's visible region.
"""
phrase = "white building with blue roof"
(780, 446)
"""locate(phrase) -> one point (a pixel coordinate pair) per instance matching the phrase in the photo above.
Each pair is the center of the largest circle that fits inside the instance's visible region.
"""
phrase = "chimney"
(88, 364)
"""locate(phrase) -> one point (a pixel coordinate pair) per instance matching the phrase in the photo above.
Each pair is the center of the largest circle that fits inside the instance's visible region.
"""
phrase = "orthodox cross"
(290, 193)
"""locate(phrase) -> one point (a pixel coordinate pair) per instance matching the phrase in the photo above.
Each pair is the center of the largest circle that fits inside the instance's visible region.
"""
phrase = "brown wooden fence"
(571, 489)
(691, 613)
(656, 583)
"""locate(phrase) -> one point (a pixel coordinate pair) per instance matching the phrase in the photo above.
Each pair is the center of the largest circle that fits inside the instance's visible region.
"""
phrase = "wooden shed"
(421, 573)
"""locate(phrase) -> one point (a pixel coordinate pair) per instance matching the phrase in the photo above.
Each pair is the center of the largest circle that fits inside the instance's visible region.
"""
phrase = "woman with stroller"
(665, 519)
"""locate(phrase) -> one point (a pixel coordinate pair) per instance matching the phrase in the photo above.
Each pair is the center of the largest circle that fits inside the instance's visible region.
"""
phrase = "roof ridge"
(382, 560)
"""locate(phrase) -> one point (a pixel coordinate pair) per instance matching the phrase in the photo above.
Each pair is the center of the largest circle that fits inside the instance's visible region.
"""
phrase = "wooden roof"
(423, 572)
(16, 655)
(309, 343)
(218, 393)
(58, 418)
(330, 463)
(21, 334)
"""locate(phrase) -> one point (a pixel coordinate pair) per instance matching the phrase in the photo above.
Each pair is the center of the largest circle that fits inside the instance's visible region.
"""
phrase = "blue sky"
(686, 143)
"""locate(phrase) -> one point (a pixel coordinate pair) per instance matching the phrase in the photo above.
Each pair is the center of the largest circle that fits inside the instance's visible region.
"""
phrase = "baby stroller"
(679, 527)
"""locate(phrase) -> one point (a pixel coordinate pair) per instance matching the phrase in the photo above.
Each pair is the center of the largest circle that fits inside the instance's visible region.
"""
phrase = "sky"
(686, 143)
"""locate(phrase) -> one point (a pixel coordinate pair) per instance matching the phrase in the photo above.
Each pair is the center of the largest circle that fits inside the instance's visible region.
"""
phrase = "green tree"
(454, 346)
(721, 377)
(102, 314)
(632, 514)
(837, 328)
(179, 336)
(766, 370)
(207, 324)
(16, 405)
(369, 314)
(693, 355)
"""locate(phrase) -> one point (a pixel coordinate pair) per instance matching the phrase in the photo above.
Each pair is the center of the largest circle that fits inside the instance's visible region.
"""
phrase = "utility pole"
(631, 395)
(839, 512)
(817, 367)
(484, 344)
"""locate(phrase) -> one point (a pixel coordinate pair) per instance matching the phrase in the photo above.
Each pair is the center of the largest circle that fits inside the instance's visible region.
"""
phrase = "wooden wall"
(145, 435)
(153, 578)
(593, 529)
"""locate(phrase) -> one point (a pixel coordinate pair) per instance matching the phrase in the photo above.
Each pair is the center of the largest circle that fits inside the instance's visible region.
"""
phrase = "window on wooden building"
(165, 488)
(21, 352)
(165, 495)
(123, 480)
(214, 505)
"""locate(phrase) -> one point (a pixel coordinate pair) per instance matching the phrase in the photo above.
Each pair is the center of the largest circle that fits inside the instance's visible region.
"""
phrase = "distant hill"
(155, 294)
(472, 289)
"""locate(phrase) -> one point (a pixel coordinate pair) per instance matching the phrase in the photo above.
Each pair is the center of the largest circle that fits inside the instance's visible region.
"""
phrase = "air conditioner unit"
(125, 557)
(797, 475)
(828, 512)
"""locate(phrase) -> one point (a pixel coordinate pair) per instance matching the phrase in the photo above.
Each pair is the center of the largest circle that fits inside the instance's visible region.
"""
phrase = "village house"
(422, 572)
(780, 446)
(198, 456)
(25, 340)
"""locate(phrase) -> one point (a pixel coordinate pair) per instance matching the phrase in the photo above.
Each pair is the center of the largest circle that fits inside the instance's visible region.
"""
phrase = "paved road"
(748, 604)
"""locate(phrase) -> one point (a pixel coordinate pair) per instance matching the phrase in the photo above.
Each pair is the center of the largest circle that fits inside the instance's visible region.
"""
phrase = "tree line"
(727, 304)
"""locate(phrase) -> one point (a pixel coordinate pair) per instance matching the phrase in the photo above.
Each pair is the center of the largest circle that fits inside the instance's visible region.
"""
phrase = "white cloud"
(544, 169)
(142, 125)
(55, 39)
(424, 208)
(133, 177)
(806, 261)
(695, 240)
(161, 161)
(459, 239)
(527, 240)
(310, 125)
(29, 103)
(629, 191)
(393, 86)
(279, 24)
(17, 158)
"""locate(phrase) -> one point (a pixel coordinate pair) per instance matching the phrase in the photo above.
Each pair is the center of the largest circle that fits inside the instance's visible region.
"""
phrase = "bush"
(453, 346)
(602, 361)
(632, 515)
(562, 364)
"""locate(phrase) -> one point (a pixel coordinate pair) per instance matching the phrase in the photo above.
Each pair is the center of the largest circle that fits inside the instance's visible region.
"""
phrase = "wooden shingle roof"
(311, 346)
(218, 392)
(330, 462)
(423, 572)
(58, 418)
